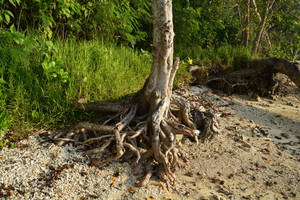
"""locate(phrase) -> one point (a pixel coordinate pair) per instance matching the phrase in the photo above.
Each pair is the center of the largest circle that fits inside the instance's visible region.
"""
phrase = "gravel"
(42, 170)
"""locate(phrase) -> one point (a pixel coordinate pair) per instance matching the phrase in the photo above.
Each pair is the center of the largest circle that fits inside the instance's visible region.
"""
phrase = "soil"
(256, 156)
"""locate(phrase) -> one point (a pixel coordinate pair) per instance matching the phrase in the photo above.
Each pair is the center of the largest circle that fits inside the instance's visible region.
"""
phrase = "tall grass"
(39, 82)
(226, 56)
(100, 72)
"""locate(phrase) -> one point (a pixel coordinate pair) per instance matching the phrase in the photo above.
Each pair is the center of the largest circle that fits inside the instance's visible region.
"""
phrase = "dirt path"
(256, 156)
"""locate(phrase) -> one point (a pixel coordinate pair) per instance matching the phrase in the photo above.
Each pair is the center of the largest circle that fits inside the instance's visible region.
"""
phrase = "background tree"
(261, 30)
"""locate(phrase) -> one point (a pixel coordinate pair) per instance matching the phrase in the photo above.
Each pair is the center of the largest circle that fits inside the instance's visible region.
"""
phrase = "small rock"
(285, 135)
(278, 137)
(268, 183)
(274, 122)
(189, 173)
(230, 176)
(215, 197)
(187, 193)
(246, 197)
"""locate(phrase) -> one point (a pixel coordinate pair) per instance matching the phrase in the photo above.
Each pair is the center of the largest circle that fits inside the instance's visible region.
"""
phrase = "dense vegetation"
(53, 53)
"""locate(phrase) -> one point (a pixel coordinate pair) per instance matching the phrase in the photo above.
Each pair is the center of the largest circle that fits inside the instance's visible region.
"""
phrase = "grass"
(227, 57)
(40, 80)
(100, 72)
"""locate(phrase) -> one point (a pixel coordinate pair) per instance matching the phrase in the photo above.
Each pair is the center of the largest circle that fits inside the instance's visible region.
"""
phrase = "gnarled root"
(151, 139)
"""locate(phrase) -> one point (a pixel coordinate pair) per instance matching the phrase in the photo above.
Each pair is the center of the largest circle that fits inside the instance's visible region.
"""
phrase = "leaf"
(12, 28)
(7, 18)
(54, 154)
(9, 13)
(262, 166)
(149, 198)
(158, 184)
(2, 81)
(281, 164)
(12, 2)
(113, 180)
(168, 197)
(131, 190)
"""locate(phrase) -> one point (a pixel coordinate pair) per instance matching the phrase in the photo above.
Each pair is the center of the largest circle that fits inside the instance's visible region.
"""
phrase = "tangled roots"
(149, 139)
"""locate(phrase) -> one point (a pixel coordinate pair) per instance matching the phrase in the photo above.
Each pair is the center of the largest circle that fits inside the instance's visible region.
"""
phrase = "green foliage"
(40, 79)
(99, 71)
(5, 14)
(116, 20)
(25, 82)
(286, 30)
(3, 143)
(4, 124)
(215, 59)
(202, 24)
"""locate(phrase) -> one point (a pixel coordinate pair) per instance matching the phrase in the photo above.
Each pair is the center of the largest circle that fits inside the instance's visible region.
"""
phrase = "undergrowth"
(40, 80)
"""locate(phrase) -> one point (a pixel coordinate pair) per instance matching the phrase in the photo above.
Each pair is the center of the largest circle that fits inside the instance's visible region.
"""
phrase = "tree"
(268, 8)
(153, 116)
(259, 20)
(246, 29)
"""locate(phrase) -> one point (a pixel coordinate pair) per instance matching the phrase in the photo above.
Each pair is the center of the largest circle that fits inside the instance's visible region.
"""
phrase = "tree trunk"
(246, 30)
(262, 28)
(159, 85)
(265, 33)
(149, 120)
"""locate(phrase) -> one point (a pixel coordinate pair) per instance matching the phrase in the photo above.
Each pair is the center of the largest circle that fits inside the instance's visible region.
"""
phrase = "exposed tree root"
(257, 77)
(149, 139)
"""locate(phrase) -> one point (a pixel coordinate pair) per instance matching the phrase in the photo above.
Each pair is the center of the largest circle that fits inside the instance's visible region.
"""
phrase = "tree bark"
(150, 119)
(160, 82)
(265, 33)
(262, 28)
(246, 30)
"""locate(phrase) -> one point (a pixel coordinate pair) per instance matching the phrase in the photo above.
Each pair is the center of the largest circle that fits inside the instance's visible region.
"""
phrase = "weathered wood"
(148, 125)
(257, 77)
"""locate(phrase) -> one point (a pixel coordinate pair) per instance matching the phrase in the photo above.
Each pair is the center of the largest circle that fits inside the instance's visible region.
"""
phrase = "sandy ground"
(256, 156)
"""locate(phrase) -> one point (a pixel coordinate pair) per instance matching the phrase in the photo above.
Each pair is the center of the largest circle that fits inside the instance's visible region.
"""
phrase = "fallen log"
(257, 76)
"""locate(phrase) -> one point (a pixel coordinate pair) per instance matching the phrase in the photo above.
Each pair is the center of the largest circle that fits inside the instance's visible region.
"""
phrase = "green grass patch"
(40, 80)
(226, 57)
